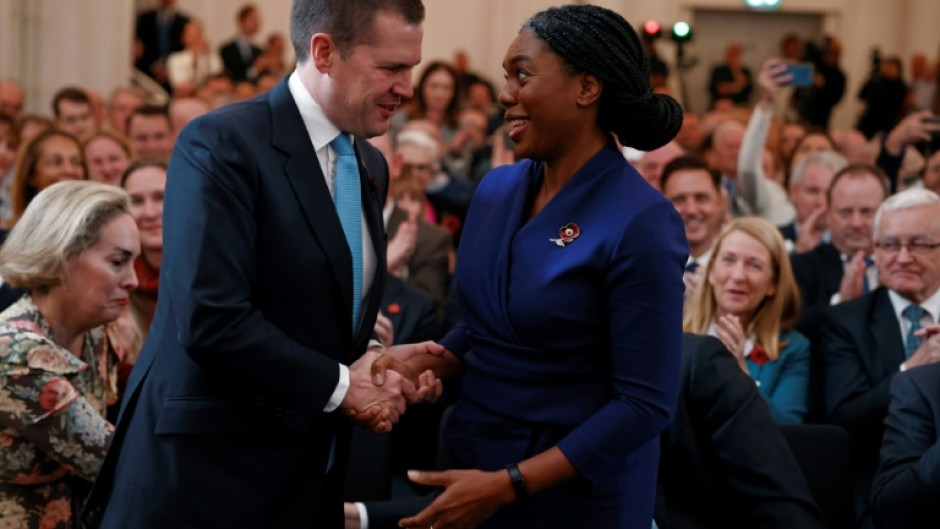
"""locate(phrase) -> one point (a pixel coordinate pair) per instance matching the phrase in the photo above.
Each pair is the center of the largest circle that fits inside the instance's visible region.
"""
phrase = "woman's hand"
(731, 333)
(469, 498)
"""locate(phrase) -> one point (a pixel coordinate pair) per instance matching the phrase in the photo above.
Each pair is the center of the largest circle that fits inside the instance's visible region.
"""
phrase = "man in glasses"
(869, 340)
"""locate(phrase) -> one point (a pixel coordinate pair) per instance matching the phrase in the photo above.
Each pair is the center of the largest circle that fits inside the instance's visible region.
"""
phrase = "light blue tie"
(914, 313)
(349, 207)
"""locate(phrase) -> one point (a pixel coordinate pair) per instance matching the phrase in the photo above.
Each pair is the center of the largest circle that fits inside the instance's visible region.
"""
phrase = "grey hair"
(827, 159)
(418, 138)
(909, 198)
(62, 221)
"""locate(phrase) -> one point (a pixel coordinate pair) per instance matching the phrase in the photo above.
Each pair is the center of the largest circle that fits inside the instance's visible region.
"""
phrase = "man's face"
(700, 204)
(75, 118)
(913, 274)
(151, 137)
(727, 147)
(366, 88)
(11, 99)
(419, 162)
(651, 165)
(855, 199)
(810, 195)
(121, 106)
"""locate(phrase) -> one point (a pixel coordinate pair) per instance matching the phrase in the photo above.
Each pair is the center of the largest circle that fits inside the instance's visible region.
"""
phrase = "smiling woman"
(57, 367)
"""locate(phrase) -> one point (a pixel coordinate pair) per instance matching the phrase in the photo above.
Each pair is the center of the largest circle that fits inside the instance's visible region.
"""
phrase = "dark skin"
(553, 118)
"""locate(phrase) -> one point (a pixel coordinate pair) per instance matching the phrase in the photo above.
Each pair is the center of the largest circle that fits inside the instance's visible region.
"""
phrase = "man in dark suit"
(868, 340)
(809, 182)
(273, 272)
(907, 483)
(852, 198)
(239, 54)
(158, 33)
(426, 267)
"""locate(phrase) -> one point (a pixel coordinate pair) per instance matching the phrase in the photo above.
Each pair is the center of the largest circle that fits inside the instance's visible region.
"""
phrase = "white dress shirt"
(899, 303)
(322, 132)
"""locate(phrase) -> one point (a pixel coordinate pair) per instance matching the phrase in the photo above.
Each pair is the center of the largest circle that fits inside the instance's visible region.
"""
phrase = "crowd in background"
(777, 206)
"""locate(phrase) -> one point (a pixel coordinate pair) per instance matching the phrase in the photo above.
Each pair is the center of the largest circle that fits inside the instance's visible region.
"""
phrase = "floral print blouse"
(52, 426)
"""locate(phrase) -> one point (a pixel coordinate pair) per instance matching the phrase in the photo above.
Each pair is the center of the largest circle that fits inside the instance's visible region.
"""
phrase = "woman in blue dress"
(570, 278)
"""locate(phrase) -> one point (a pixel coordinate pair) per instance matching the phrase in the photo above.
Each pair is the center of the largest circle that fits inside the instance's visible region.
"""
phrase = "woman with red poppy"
(569, 274)
(73, 252)
(750, 301)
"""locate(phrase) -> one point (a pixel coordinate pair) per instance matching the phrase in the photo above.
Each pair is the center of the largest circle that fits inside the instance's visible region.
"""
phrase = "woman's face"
(438, 90)
(99, 279)
(145, 187)
(540, 98)
(742, 275)
(59, 159)
(106, 160)
(814, 142)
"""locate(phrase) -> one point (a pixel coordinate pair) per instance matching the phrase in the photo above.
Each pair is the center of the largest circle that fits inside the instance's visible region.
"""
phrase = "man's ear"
(591, 88)
(323, 51)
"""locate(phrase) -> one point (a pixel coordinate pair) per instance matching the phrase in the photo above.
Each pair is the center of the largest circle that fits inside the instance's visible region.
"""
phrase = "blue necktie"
(866, 288)
(692, 266)
(914, 313)
(349, 208)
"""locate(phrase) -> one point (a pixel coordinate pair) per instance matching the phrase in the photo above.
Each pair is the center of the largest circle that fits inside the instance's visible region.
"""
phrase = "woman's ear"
(591, 88)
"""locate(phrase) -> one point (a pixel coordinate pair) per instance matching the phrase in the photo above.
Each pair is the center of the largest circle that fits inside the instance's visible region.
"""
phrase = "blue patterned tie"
(914, 313)
(349, 208)
(866, 288)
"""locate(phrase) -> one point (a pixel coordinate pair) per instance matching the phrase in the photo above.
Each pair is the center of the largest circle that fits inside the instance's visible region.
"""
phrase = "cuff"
(363, 515)
(340, 392)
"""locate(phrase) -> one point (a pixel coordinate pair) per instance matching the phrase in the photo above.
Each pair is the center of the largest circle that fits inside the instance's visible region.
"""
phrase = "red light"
(651, 27)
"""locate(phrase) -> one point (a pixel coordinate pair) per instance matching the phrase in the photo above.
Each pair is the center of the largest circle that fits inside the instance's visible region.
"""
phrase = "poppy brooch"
(567, 234)
(758, 356)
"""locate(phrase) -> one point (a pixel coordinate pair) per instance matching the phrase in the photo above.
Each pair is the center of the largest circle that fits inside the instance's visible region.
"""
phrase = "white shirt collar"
(322, 131)
(899, 303)
(703, 259)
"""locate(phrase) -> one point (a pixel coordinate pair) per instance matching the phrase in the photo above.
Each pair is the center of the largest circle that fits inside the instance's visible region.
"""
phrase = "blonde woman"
(750, 301)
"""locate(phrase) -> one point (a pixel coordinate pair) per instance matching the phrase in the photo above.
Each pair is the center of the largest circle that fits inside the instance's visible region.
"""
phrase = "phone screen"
(802, 73)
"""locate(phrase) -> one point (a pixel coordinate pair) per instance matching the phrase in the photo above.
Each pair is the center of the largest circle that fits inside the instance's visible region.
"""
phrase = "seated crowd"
(813, 260)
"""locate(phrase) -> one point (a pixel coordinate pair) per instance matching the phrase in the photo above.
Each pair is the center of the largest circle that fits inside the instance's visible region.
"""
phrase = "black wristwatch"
(518, 482)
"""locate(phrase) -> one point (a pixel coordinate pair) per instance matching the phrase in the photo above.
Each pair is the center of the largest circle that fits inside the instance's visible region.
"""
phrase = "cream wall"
(49, 43)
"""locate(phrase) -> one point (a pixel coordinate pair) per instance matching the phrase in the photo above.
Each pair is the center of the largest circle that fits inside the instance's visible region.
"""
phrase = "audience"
(50, 157)
(749, 300)
(866, 342)
(240, 54)
(73, 252)
(188, 68)
(11, 98)
(9, 143)
(651, 163)
(158, 33)
(122, 102)
(108, 154)
(730, 81)
(150, 133)
(73, 113)
(809, 183)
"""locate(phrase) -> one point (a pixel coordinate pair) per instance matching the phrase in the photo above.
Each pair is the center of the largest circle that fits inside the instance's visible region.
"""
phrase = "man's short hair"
(150, 111)
(859, 170)
(246, 10)
(909, 198)
(689, 163)
(69, 93)
(347, 22)
(828, 159)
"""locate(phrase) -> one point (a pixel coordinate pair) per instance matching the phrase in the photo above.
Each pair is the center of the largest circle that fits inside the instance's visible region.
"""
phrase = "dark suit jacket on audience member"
(724, 462)
(428, 270)
(862, 350)
(907, 484)
(235, 65)
(147, 32)
(413, 315)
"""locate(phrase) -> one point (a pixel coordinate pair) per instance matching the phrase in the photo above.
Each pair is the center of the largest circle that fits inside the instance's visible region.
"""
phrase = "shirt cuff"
(363, 515)
(835, 299)
(340, 392)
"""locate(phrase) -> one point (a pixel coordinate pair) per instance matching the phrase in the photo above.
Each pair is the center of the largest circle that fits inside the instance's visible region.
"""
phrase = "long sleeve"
(755, 187)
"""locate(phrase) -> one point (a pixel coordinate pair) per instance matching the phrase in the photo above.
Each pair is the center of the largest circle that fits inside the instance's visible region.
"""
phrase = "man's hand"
(384, 330)
(428, 386)
(911, 129)
(811, 230)
(351, 516)
(771, 79)
(929, 351)
(377, 407)
(853, 280)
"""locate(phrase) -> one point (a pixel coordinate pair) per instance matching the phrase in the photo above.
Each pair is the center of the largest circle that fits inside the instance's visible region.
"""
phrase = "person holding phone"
(814, 103)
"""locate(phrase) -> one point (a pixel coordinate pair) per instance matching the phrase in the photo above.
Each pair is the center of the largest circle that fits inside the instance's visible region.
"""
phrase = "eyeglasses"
(920, 248)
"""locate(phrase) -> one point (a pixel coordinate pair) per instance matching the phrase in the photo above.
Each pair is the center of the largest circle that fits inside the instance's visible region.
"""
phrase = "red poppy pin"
(568, 233)
(758, 355)
(393, 308)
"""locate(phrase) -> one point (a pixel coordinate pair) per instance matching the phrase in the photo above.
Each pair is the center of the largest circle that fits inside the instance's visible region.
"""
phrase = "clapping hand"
(731, 333)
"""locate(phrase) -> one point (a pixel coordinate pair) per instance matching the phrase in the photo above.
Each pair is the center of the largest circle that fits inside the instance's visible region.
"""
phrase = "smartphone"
(801, 72)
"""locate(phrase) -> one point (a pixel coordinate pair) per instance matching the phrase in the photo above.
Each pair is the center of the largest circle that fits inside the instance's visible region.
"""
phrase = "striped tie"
(349, 208)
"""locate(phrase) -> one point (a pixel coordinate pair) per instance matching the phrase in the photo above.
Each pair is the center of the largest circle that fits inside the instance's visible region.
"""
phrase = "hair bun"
(648, 123)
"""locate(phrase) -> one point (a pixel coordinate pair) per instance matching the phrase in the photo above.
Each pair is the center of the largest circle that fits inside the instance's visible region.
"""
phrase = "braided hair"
(600, 42)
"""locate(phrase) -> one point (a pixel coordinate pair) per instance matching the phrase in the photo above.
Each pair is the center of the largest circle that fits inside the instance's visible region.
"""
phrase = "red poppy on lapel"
(566, 234)
(393, 308)
(758, 355)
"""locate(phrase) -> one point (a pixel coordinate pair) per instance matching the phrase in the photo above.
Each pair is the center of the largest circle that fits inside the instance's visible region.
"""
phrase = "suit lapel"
(888, 347)
(832, 268)
(306, 179)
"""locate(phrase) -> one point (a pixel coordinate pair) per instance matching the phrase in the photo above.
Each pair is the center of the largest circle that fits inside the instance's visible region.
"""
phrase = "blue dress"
(571, 336)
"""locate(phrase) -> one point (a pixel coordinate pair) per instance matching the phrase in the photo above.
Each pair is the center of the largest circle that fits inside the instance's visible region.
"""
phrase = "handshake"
(382, 383)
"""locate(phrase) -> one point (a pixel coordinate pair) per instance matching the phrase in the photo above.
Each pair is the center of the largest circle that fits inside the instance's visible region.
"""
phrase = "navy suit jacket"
(222, 423)
(907, 484)
(146, 31)
(724, 461)
(235, 65)
(862, 350)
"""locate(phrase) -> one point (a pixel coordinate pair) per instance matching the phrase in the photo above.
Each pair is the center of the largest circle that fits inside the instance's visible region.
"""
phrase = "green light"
(681, 29)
